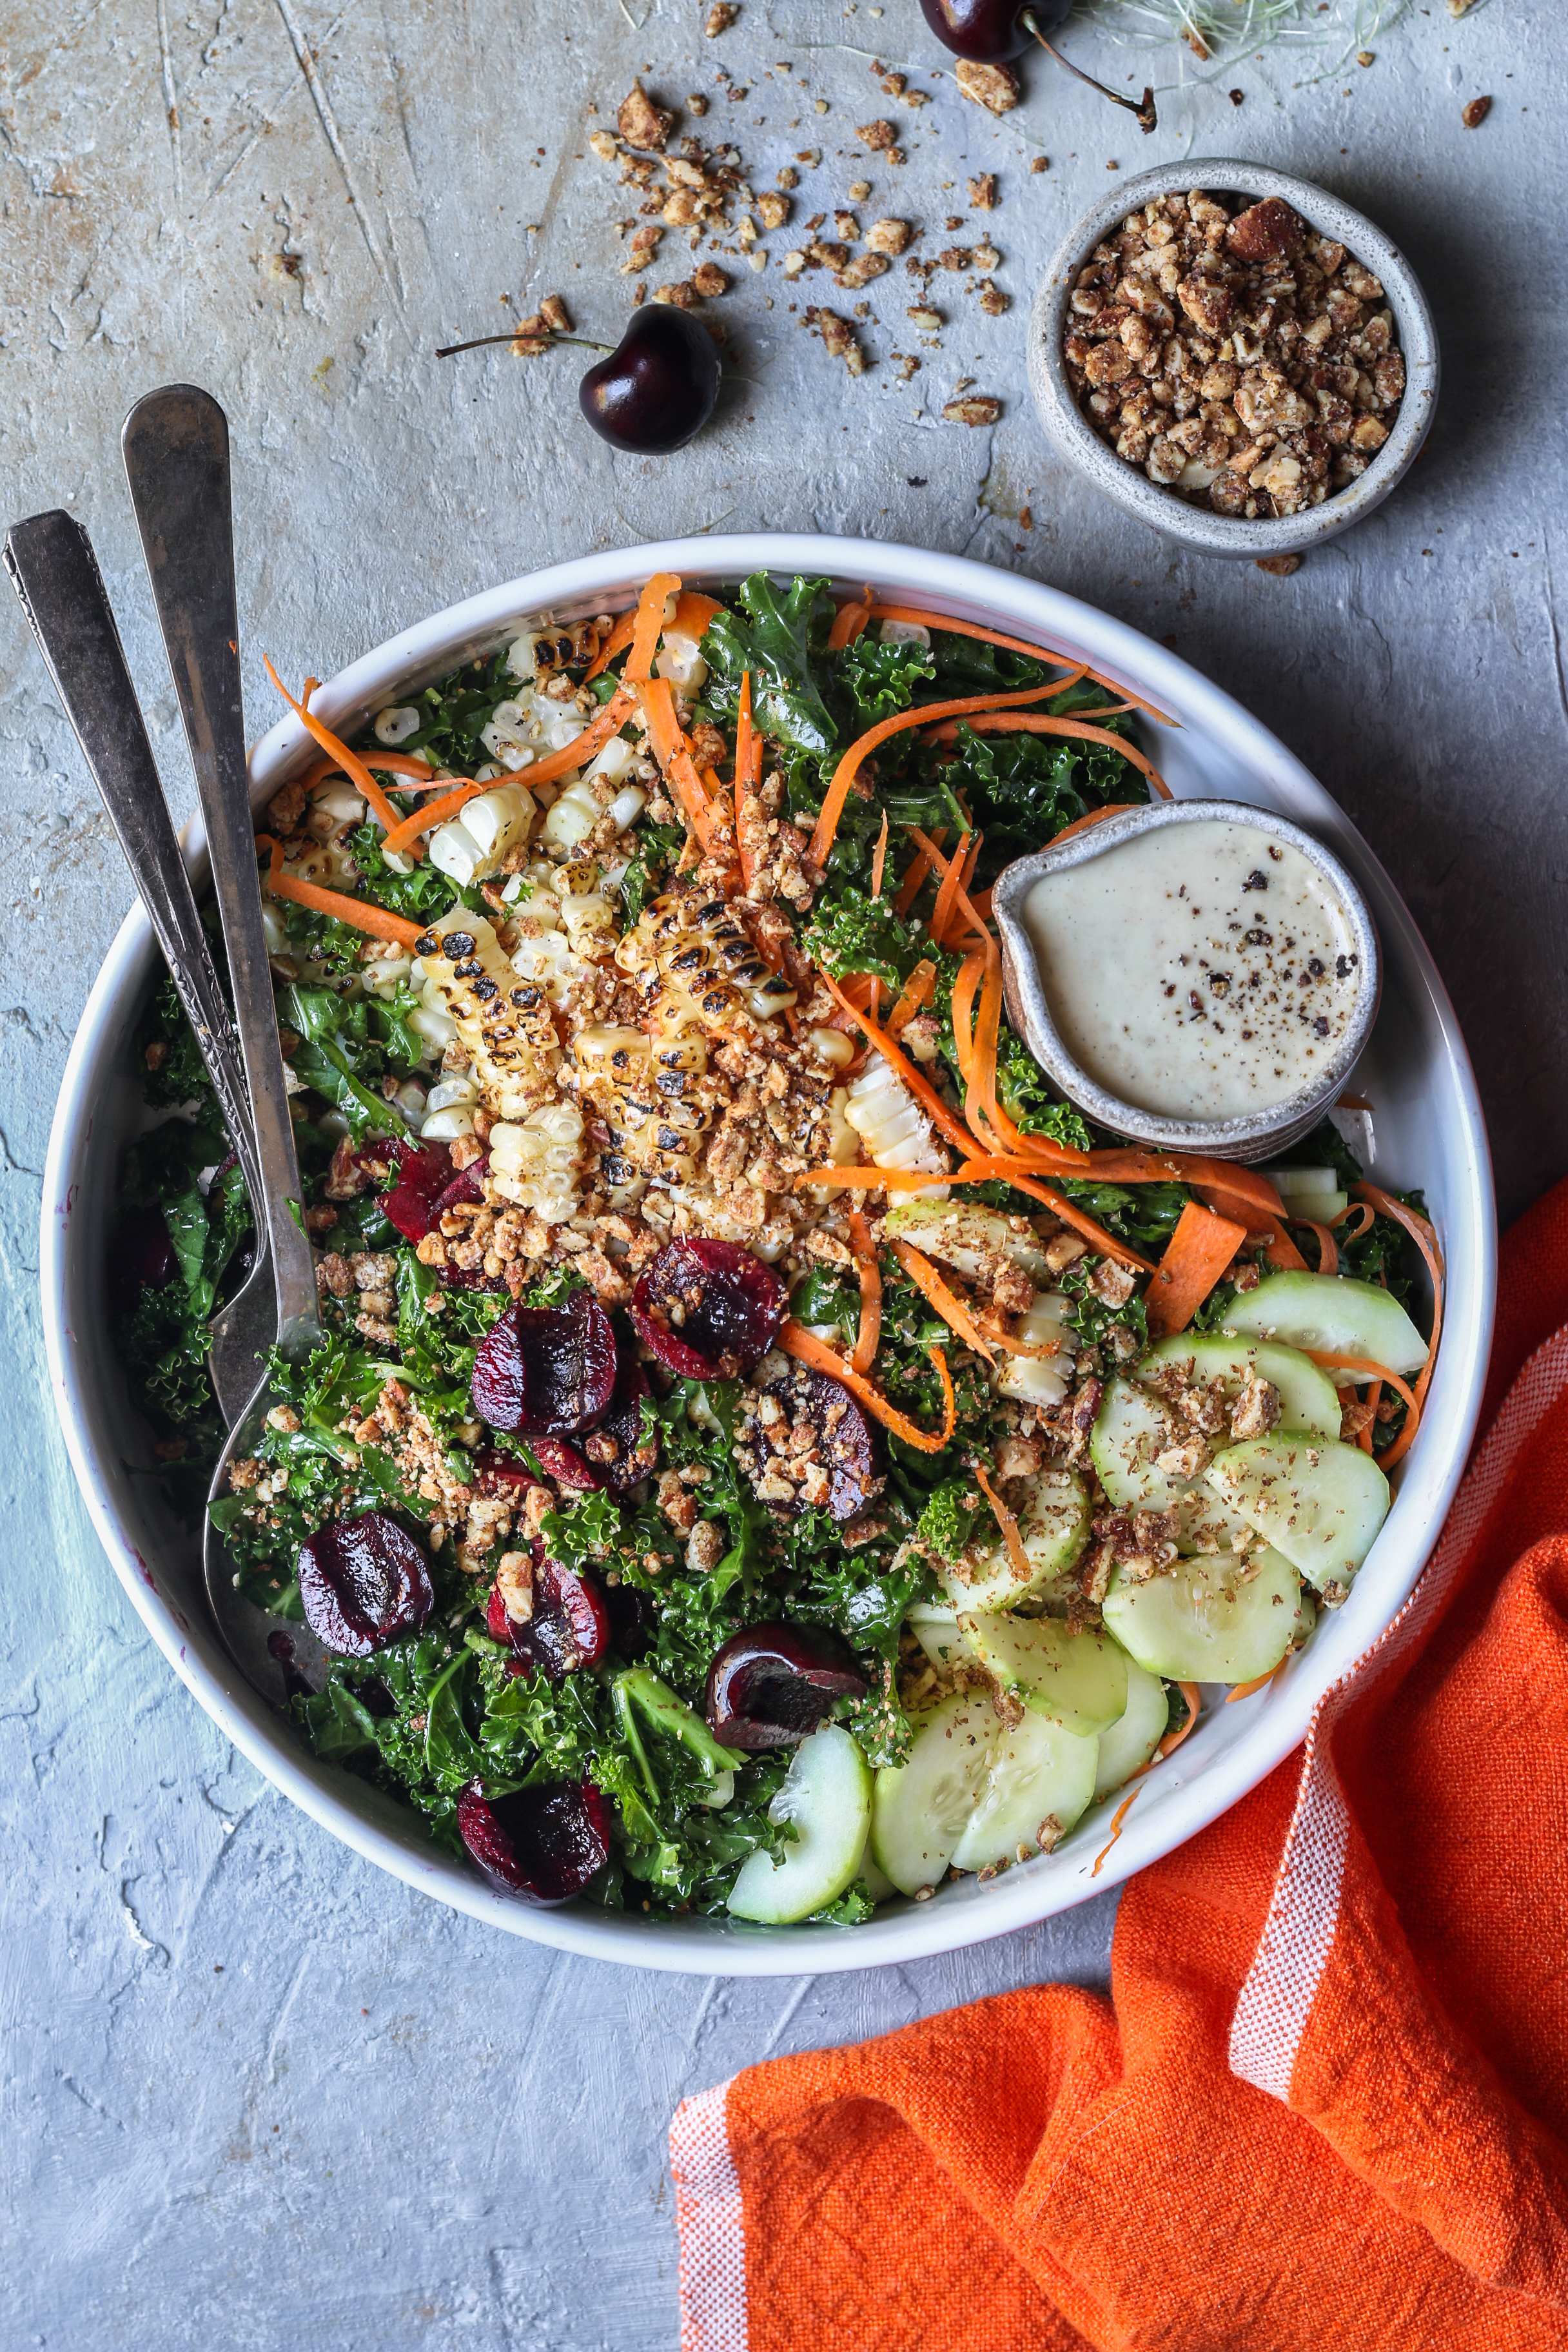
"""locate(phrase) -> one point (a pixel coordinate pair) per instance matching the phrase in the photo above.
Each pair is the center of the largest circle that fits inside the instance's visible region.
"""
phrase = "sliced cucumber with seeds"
(1133, 1426)
(936, 1630)
(1126, 1746)
(970, 1239)
(1321, 1504)
(1079, 1680)
(1053, 1526)
(922, 1808)
(827, 1797)
(1332, 1315)
(1039, 1779)
(1308, 1398)
(1212, 1621)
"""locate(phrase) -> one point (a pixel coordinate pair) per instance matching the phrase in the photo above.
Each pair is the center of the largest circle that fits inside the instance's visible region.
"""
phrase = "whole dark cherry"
(771, 1685)
(542, 1844)
(989, 32)
(362, 1583)
(657, 387)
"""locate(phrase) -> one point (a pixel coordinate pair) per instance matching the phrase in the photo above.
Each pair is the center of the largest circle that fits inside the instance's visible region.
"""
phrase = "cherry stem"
(1144, 109)
(522, 335)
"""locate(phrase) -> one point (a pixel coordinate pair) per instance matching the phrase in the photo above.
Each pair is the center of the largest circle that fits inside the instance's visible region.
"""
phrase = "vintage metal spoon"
(55, 572)
(175, 444)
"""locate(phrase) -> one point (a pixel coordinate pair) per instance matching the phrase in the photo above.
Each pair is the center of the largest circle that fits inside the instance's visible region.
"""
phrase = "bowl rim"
(1259, 1134)
(1195, 527)
(1187, 1798)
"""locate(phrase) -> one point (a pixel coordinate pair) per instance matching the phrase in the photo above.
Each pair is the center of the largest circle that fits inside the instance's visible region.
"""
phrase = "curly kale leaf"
(870, 680)
(851, 932)
(779, 637)
(176, 1074)
(656, 845)
(824, 1297)
(343, 1053)
(1025, 1093)
(969, 666)
(1090, 1316)
(454, 714)
(950, 1518)
(1144, 1216)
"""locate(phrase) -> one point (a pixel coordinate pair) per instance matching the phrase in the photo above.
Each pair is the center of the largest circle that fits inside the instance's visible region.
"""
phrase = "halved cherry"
(632, 1620)
(543, 1843)
(145, 1257)
(466, 1185)
(569, 1629)
(362, 1583)
(617, 1447)
(424, 1173)
(709, 1311)
(564, 1465)
(844, 1441)
(546, 1370)
(771, 1685)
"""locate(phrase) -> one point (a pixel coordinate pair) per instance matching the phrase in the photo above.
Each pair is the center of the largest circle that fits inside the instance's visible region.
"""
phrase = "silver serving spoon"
(175, 444)
(55, 572)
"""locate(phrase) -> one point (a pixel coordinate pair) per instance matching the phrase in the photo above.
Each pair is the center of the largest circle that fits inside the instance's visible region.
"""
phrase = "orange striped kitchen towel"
(1327, 2105)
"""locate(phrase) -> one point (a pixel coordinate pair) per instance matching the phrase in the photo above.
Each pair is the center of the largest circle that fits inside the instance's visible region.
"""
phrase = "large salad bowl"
(1428, 1130)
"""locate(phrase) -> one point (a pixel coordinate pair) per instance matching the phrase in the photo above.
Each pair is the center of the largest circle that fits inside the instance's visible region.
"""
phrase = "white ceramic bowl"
(1429, 1132)
(1199, 527)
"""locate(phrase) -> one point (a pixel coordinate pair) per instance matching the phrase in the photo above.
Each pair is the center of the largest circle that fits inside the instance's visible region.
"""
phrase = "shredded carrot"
(1328, 1248)
(619, 637)
(924, 1092)
(1118, 1817)
(848, 622)
(406, 833)
(1362, 1209)
(918, 992)
(951, 881)
(920, 867)
(649, 625)
(674, 756)
(799, 1343)
(390, 763)
(880, 858)
(1173, 1740)
(1016, 645)
(963, 988)
(361, 913)
(1095, 816)
(1379, 1374)
(922, 714)
(946, 1301)
(1258, 1681)
(1017, 723)
(693, 612)
(349, 762)
(870, 1273)
(1008, 1525)
(1425, 1241)
(1196, 1254)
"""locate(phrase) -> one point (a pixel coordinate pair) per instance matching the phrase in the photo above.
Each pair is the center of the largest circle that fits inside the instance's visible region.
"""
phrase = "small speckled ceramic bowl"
(1075, 439)
(1262, 1134)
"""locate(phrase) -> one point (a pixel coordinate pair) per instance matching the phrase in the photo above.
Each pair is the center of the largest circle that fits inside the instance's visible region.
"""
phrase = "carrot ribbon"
(799, 1343)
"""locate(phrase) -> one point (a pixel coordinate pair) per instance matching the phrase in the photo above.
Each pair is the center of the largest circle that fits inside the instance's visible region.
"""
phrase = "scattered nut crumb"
(983, 191)
(720, 16)
(878, 136)
(981, 409)
(887, 235)
(696, 103)
(709, 281)
(1476, 113)
(993, 301)
(1040, 164)
(641, 123)
(858, 191)
(1282, 566)
(996, 87)
(789, 177)
(1365, 56)
(683, 296)
(838, 339)
(928, 321)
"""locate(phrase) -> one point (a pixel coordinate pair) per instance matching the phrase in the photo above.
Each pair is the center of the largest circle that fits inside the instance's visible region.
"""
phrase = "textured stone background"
(254, 2092)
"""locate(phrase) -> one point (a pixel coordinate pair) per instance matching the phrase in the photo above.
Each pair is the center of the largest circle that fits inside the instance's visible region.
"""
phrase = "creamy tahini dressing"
(1200, 971)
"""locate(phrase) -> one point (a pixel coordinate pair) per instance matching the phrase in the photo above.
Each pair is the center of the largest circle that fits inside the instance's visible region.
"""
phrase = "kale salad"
(748, 1468)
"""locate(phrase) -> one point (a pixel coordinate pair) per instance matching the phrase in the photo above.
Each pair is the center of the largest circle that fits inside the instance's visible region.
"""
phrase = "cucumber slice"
(1133, 1426)
(1332, 1314)
(921, 1810)
(1079, 1680)
(1128, 1743)
(828, 1796)
(1040, 1779)
(1198, 1622)
(878, 1886)
(1320, 1503)
(970, 1239)
(1308, 1398)
(1288, 1182)
(1054, 1527)
(936, 1630)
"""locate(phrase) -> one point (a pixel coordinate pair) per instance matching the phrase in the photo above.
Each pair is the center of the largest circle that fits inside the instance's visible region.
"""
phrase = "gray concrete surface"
(254, 2094)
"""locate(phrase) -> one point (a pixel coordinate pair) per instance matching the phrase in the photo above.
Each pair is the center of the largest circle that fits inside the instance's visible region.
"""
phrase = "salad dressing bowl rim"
(1254, 1137)
(1233, 1748)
